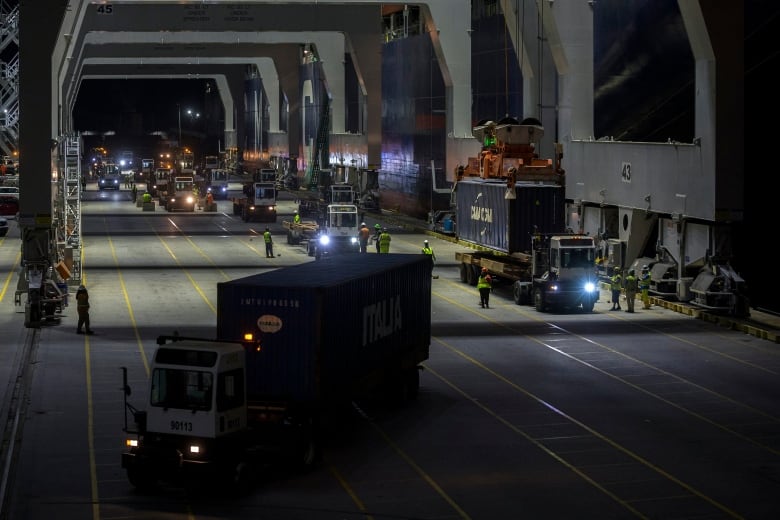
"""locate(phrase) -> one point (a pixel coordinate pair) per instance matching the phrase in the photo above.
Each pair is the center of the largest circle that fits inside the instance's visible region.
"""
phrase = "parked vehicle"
(9, 190)
(291, 346)
(3, 226)
(9, 205)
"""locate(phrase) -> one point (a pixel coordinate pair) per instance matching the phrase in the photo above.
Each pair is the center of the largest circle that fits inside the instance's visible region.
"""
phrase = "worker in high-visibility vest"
(384, 241)
(644, 286)
(269, 243)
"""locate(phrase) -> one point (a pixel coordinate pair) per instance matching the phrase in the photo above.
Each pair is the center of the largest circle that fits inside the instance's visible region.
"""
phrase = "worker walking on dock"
(427, 250)
(82, 307)
(616, 286)
(644, 286)
(377, 234)
(364, 235)
(631, 286)
(269, 243)
(484, 286)
(384, 241)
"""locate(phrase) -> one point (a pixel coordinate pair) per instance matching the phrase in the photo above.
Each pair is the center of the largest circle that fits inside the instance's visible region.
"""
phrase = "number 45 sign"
(104, 9)
(625, 172)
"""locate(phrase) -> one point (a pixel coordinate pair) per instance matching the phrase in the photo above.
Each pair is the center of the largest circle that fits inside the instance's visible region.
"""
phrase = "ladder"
(72, 204)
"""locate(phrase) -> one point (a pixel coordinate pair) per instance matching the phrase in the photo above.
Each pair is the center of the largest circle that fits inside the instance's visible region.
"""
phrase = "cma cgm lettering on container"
(487, 218)
(481, 213)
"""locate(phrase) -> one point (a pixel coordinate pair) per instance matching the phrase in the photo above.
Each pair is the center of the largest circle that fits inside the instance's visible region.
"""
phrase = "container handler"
(510, 206)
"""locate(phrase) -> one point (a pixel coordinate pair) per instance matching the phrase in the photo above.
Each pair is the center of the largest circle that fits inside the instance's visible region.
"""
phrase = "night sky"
(136, 108)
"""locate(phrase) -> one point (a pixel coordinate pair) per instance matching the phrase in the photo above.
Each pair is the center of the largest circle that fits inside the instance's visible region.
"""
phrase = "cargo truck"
(510, 206)
(258, 202)
(219, 183)
(181, 195)
(292, 346)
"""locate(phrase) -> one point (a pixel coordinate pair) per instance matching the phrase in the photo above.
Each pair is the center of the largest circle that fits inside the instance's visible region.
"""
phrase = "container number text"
(181, 426)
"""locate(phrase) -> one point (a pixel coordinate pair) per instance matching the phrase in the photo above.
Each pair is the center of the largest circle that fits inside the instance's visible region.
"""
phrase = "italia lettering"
(481, 214)
(381, 320)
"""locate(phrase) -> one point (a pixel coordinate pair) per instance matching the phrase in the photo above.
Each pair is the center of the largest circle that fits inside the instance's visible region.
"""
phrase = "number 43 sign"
(625, 172)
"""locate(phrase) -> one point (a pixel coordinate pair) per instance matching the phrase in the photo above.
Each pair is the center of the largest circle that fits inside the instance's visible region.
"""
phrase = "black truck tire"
(463, 275)
(539, 300)
(471, 275)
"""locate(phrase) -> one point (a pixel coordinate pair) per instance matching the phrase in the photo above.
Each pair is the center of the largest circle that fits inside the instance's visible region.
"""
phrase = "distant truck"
(510, 205)
(219, 182)
(111, 178)
(181, 195)
(258, 203)
(211, 162)
(291, 346)
(338, 233)
(157, 185)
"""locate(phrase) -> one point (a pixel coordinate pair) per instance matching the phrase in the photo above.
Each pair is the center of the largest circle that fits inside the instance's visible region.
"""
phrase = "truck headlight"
(553, 287)
(590, 287)
(131, 443)
(324, 240)
(353, 240)
(190, 200)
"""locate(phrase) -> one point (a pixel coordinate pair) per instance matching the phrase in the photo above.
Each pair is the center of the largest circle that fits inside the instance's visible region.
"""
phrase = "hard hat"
(384, 229)
(362, 224)
(631, 272)
(645, 268)
(377, 226)
(425, 242)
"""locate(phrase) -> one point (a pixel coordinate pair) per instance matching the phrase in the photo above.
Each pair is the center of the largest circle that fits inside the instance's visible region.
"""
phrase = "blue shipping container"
(486, 217)
(326, 328)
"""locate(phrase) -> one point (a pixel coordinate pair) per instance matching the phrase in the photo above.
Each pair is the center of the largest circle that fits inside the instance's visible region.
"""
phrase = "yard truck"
(258, 202)
(291, 347)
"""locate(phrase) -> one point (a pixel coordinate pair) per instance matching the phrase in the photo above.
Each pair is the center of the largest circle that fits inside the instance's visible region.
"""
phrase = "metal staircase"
(71, 190)
(9, 79)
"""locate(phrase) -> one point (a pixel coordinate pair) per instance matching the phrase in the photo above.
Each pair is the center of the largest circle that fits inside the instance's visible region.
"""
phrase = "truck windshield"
(186, 389)
(343, 220)
(264, 193)
(577, 257)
